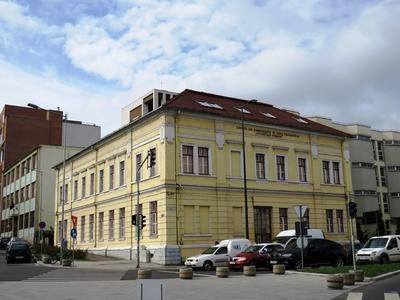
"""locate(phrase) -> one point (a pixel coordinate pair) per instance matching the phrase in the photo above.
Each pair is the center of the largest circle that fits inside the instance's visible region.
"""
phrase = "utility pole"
(63, 188)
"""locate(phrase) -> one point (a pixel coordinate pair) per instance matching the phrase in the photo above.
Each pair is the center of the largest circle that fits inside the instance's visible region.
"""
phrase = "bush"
(54, 251)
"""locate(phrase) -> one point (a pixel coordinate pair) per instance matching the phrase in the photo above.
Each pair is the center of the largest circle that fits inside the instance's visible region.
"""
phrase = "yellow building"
(194, 194)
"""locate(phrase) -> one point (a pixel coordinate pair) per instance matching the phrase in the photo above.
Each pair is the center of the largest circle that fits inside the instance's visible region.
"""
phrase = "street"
(87, 281)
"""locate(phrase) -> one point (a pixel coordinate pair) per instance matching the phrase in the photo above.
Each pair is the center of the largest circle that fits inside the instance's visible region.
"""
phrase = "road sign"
(74, 233)
(305, 242)
(42, 225)
(300, 210)
(74, 220)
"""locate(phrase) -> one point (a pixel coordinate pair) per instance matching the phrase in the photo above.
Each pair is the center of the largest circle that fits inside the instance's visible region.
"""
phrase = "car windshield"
(19, 246)
(292, 244)
(376, 243)
(281, 239)
(210, 250)
(253, 248)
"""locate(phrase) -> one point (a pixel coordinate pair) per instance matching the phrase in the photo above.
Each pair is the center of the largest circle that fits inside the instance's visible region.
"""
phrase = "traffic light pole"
(138, 219)
(350, 216)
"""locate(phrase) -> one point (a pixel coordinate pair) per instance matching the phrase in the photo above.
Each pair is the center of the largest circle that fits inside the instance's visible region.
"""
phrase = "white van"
(285, 236)
(218, 255)
(382, 249)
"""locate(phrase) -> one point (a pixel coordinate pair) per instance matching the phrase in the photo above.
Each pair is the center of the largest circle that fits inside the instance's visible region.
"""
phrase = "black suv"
(19, 251)
(318, 252)
(3, 242)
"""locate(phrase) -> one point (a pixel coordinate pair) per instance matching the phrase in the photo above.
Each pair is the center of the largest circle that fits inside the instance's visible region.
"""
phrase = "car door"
(221, 257)
(314, 252)
(393, 250)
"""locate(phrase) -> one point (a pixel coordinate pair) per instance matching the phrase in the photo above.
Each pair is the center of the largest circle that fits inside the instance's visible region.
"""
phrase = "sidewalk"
(261, 287)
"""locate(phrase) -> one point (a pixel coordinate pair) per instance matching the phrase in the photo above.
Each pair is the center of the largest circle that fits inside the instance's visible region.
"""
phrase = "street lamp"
(246, 208)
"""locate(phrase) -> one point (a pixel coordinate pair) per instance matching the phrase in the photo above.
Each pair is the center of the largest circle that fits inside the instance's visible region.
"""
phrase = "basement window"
(209, 105)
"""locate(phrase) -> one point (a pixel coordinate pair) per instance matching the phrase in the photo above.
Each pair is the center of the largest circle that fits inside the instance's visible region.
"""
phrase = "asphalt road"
(376, 290)
(19, 271)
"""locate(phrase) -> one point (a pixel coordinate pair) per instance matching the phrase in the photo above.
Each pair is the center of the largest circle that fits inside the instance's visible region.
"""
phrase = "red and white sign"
(74, 220)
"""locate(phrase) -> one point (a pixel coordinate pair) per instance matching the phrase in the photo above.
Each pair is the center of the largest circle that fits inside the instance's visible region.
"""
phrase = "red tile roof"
(191, 100)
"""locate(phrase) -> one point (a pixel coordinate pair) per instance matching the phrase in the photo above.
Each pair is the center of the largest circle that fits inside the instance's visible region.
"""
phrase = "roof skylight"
(268, 115)
(243, 110)
(209, 105)
(300, 120)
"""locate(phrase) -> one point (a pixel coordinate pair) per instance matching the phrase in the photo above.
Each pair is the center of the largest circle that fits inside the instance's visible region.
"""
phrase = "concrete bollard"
(358, 275)
(278, 269)
(144, 274)
(335, 282)
(186, 273)
(222, 272)
(348, 278)
(249, 271)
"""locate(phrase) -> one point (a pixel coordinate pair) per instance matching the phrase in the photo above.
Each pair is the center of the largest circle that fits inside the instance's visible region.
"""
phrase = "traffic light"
(352, 209)
(143, 221)
(152, 157)
(134, 219)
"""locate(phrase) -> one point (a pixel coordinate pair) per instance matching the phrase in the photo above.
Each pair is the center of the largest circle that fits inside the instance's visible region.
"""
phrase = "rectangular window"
(33, 190)
(34, 162)
(302, 169)
(306, 218)
(336, 172)
(187, 159)
(153, 167)
(385, 201)
(188, 216)
(339, 220)
(21, 222)
(237, 218)
(75, 189)
(91, 227)
(111, 224)
(101, 226)
(17, 173)
(203, 161)
(204, 219)
(122, 223)
(153, 218)
(101, 181)
(374, 149)
(66, 193)
(329, 220)
(283, 218)
(280, 167)
(326, 171)
(27, 192)
(236, 166)
(83, 187)
(121, 173)
(22, 168)
(111, 174)
(376, 175)
(28, 165)
(83, 228)
(23, 194)
(383, 176)
(380, 150)
(31, 219)
(92, 184)
(26, 221)
(138, 163)
(260, 165)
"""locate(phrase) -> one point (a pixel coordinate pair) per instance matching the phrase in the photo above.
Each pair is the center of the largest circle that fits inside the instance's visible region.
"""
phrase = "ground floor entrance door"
(262, 224)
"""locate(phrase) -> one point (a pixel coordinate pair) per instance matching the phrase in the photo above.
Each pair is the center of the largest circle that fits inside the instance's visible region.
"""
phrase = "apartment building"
(375, 159)
(194, 195)
(22, 129)
(28, 193)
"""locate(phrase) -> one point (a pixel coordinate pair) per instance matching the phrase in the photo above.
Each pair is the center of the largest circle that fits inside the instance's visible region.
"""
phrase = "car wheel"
(208, 266)
(297, 264)
(384, 259)
(339, 262)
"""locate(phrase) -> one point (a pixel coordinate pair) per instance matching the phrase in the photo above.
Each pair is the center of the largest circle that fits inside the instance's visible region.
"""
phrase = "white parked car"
(284, 237)
(218, 255)
(382, 249)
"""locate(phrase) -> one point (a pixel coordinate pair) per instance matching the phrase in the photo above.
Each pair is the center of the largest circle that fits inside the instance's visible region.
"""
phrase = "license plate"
(19, 257)
(274, 262)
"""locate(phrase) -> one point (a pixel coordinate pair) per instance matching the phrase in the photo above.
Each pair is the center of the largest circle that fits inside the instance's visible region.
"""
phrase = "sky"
(333, 58)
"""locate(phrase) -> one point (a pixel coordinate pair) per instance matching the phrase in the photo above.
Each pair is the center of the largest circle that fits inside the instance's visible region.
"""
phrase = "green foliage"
(371, 270)
(362, 236)
(54, 251)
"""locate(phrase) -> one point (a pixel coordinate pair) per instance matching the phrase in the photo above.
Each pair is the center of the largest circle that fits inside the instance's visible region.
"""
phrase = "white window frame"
(307, 169)
(286, 167)
(135, 166)
(265, 165)
(330, 171)
(196, 159)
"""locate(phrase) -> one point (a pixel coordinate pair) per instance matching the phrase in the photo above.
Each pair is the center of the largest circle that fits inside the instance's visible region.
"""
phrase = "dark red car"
(255, 255)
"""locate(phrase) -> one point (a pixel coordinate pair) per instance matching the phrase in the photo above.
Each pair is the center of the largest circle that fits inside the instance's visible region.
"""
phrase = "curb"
(386, 275)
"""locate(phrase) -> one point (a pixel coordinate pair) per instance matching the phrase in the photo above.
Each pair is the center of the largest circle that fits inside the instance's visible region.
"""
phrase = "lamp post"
(246, 208)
